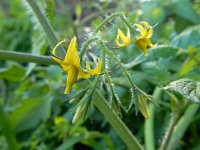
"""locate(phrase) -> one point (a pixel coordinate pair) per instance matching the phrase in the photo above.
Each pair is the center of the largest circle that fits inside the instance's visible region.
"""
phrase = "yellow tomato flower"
(146, 32)
(71, 65)
(126, 39)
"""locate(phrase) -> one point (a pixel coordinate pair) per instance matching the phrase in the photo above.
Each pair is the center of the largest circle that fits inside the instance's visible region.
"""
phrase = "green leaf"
(187, 66)
(189, 37)
(13, 73)
(161, 51)
(156, 72)
(185, 10)
(54, 73)
(67, 144)
(187, 88)
(30, 112)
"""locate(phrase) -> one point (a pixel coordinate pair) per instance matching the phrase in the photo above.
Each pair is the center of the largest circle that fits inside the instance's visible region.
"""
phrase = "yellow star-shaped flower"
(146, 32)
(125, 39)
(71, 65)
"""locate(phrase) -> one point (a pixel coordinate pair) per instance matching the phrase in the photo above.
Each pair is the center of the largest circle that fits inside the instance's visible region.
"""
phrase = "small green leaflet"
(187, 88)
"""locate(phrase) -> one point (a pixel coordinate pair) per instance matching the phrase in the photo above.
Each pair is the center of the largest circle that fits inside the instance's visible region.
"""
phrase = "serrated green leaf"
(187, 88)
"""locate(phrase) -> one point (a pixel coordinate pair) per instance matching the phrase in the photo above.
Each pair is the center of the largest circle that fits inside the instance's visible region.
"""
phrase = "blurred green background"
(31, 96)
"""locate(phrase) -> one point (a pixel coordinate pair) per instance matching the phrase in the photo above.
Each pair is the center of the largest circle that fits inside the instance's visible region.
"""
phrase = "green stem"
(181, 126)
(119, 63)
(149, 123)
(94, 15)
(45, 24)
(26, 57)
(104, 22)
(120, 128)
(126, 22)
(85, 45)
(172, 123)
(7, 130)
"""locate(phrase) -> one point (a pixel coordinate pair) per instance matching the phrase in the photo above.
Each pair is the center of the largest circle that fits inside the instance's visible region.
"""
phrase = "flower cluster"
(142, 41)
(72, 66)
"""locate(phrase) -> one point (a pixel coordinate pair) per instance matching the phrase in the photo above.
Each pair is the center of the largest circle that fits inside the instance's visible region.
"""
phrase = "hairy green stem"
(181, 126)
(172, 123)
(45, 24)
(149, 123)
(104, 22)
(90, 40)
(126, 22)
(121, 66)
(85, 46)
(26, 57)
(94, 15)
(7, 131)
(120, 128)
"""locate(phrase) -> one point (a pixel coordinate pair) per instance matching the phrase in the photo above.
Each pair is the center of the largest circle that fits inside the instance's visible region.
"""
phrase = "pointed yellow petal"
(57, 45)
(71, 78)
(96, 70)
(82, 74)
(72, 56)
(148, 28)
(141, 29)
(117, 42)
(60, 61)
(125, 39)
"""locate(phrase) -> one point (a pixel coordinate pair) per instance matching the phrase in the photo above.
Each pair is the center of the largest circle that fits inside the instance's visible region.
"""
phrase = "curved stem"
(45, 24)
(94, 15)
(104, 22)
(149, 124)
(125, 21)
(26, 57)
(85, 45)
(120, 128)
(123, 69)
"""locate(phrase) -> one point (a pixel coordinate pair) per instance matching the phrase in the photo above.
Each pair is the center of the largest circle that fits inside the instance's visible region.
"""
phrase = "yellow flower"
(146, 32)
(126, 39)
(71, 65)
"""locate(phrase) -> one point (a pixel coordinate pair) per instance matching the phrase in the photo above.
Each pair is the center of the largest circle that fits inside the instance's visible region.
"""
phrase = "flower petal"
(142, 44)
(117, 42)
(96, 70)
(71, 78)
(82, 74)
(60, 61)
(141, 29)
(125, 39)
(148, 28)
(72, 56)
